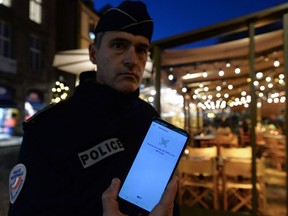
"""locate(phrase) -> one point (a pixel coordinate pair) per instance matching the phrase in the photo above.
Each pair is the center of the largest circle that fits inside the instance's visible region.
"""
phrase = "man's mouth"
(132, 75)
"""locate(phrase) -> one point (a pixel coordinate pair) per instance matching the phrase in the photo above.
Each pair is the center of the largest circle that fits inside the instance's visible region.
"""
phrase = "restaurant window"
(35, 11)
(5, 2)
(35, 54)
(5, 39)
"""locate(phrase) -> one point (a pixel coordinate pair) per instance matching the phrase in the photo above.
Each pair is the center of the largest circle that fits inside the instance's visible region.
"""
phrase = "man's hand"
(109, 199)
(163, 208)
(166, 205)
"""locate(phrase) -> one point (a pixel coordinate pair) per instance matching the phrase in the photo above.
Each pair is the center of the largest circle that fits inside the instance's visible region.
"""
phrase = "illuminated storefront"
(244, 72)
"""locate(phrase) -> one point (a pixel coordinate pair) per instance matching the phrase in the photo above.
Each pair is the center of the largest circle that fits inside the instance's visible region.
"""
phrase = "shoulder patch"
(16, 181)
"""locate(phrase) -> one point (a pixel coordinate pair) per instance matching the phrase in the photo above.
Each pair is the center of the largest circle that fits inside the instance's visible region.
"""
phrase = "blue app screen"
(153, 166)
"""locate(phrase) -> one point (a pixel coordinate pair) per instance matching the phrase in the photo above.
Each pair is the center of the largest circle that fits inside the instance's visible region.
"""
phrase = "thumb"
(109, 198)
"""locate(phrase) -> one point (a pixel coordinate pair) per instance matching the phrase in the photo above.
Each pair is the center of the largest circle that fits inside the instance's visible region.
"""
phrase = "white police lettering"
(100, 151)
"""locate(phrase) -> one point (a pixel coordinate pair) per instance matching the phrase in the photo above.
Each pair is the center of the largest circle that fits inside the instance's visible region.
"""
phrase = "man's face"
(120, 60)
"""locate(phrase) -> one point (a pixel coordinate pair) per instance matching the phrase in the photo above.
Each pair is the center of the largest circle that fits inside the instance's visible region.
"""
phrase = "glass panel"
(228, 107)
(270, 132)
(35, 11)
(35, 55)
(6, 2)
(5, 41)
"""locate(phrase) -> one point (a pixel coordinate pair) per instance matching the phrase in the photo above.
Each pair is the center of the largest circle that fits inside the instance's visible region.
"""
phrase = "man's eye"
(118, 45)
(142, 50)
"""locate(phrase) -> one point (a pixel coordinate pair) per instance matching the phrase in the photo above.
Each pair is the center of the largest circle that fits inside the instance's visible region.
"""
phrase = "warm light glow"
(256, 83)
(276, 100)
(211, 115)
(186, 151)
(243, 93)
(170, 77)
(281, 76)
(184, 89)
(276, 63)
(268, 79)
(150, 99)
(259, 75)
(221, 72)
(237, 70)
(57, 100)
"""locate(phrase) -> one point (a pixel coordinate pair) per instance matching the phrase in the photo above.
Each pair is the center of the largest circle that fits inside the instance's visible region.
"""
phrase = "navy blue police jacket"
(72, 150)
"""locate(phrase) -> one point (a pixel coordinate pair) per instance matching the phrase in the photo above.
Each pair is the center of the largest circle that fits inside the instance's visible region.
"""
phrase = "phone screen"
(154, 165)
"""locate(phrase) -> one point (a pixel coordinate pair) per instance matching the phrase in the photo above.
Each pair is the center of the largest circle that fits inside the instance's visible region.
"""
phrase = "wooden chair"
(205, 152)
(276, 150)
(244, 137)
(237, 184)
(236, 153)
(226, 140)
(208, 143)
(198, 183)
(229, 140)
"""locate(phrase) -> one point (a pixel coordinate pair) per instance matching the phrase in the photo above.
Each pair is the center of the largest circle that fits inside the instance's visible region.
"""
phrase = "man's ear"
(92, 53)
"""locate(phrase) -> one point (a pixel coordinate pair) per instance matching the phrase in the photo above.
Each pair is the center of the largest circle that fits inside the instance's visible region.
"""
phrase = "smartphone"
(153, 166)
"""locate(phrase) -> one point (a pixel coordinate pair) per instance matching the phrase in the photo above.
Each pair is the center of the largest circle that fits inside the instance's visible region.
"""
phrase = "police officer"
(72, 150)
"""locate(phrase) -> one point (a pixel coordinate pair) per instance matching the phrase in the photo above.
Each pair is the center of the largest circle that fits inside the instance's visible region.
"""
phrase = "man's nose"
(130, 58)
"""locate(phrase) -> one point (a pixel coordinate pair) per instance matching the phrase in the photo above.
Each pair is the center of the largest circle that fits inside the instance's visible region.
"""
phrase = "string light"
(237, 70)
(60, 92)
(221, 73)
(276, 63)
(272, 81)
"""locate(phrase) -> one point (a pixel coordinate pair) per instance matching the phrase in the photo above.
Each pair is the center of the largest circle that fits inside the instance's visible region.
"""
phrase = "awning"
(73, 61)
